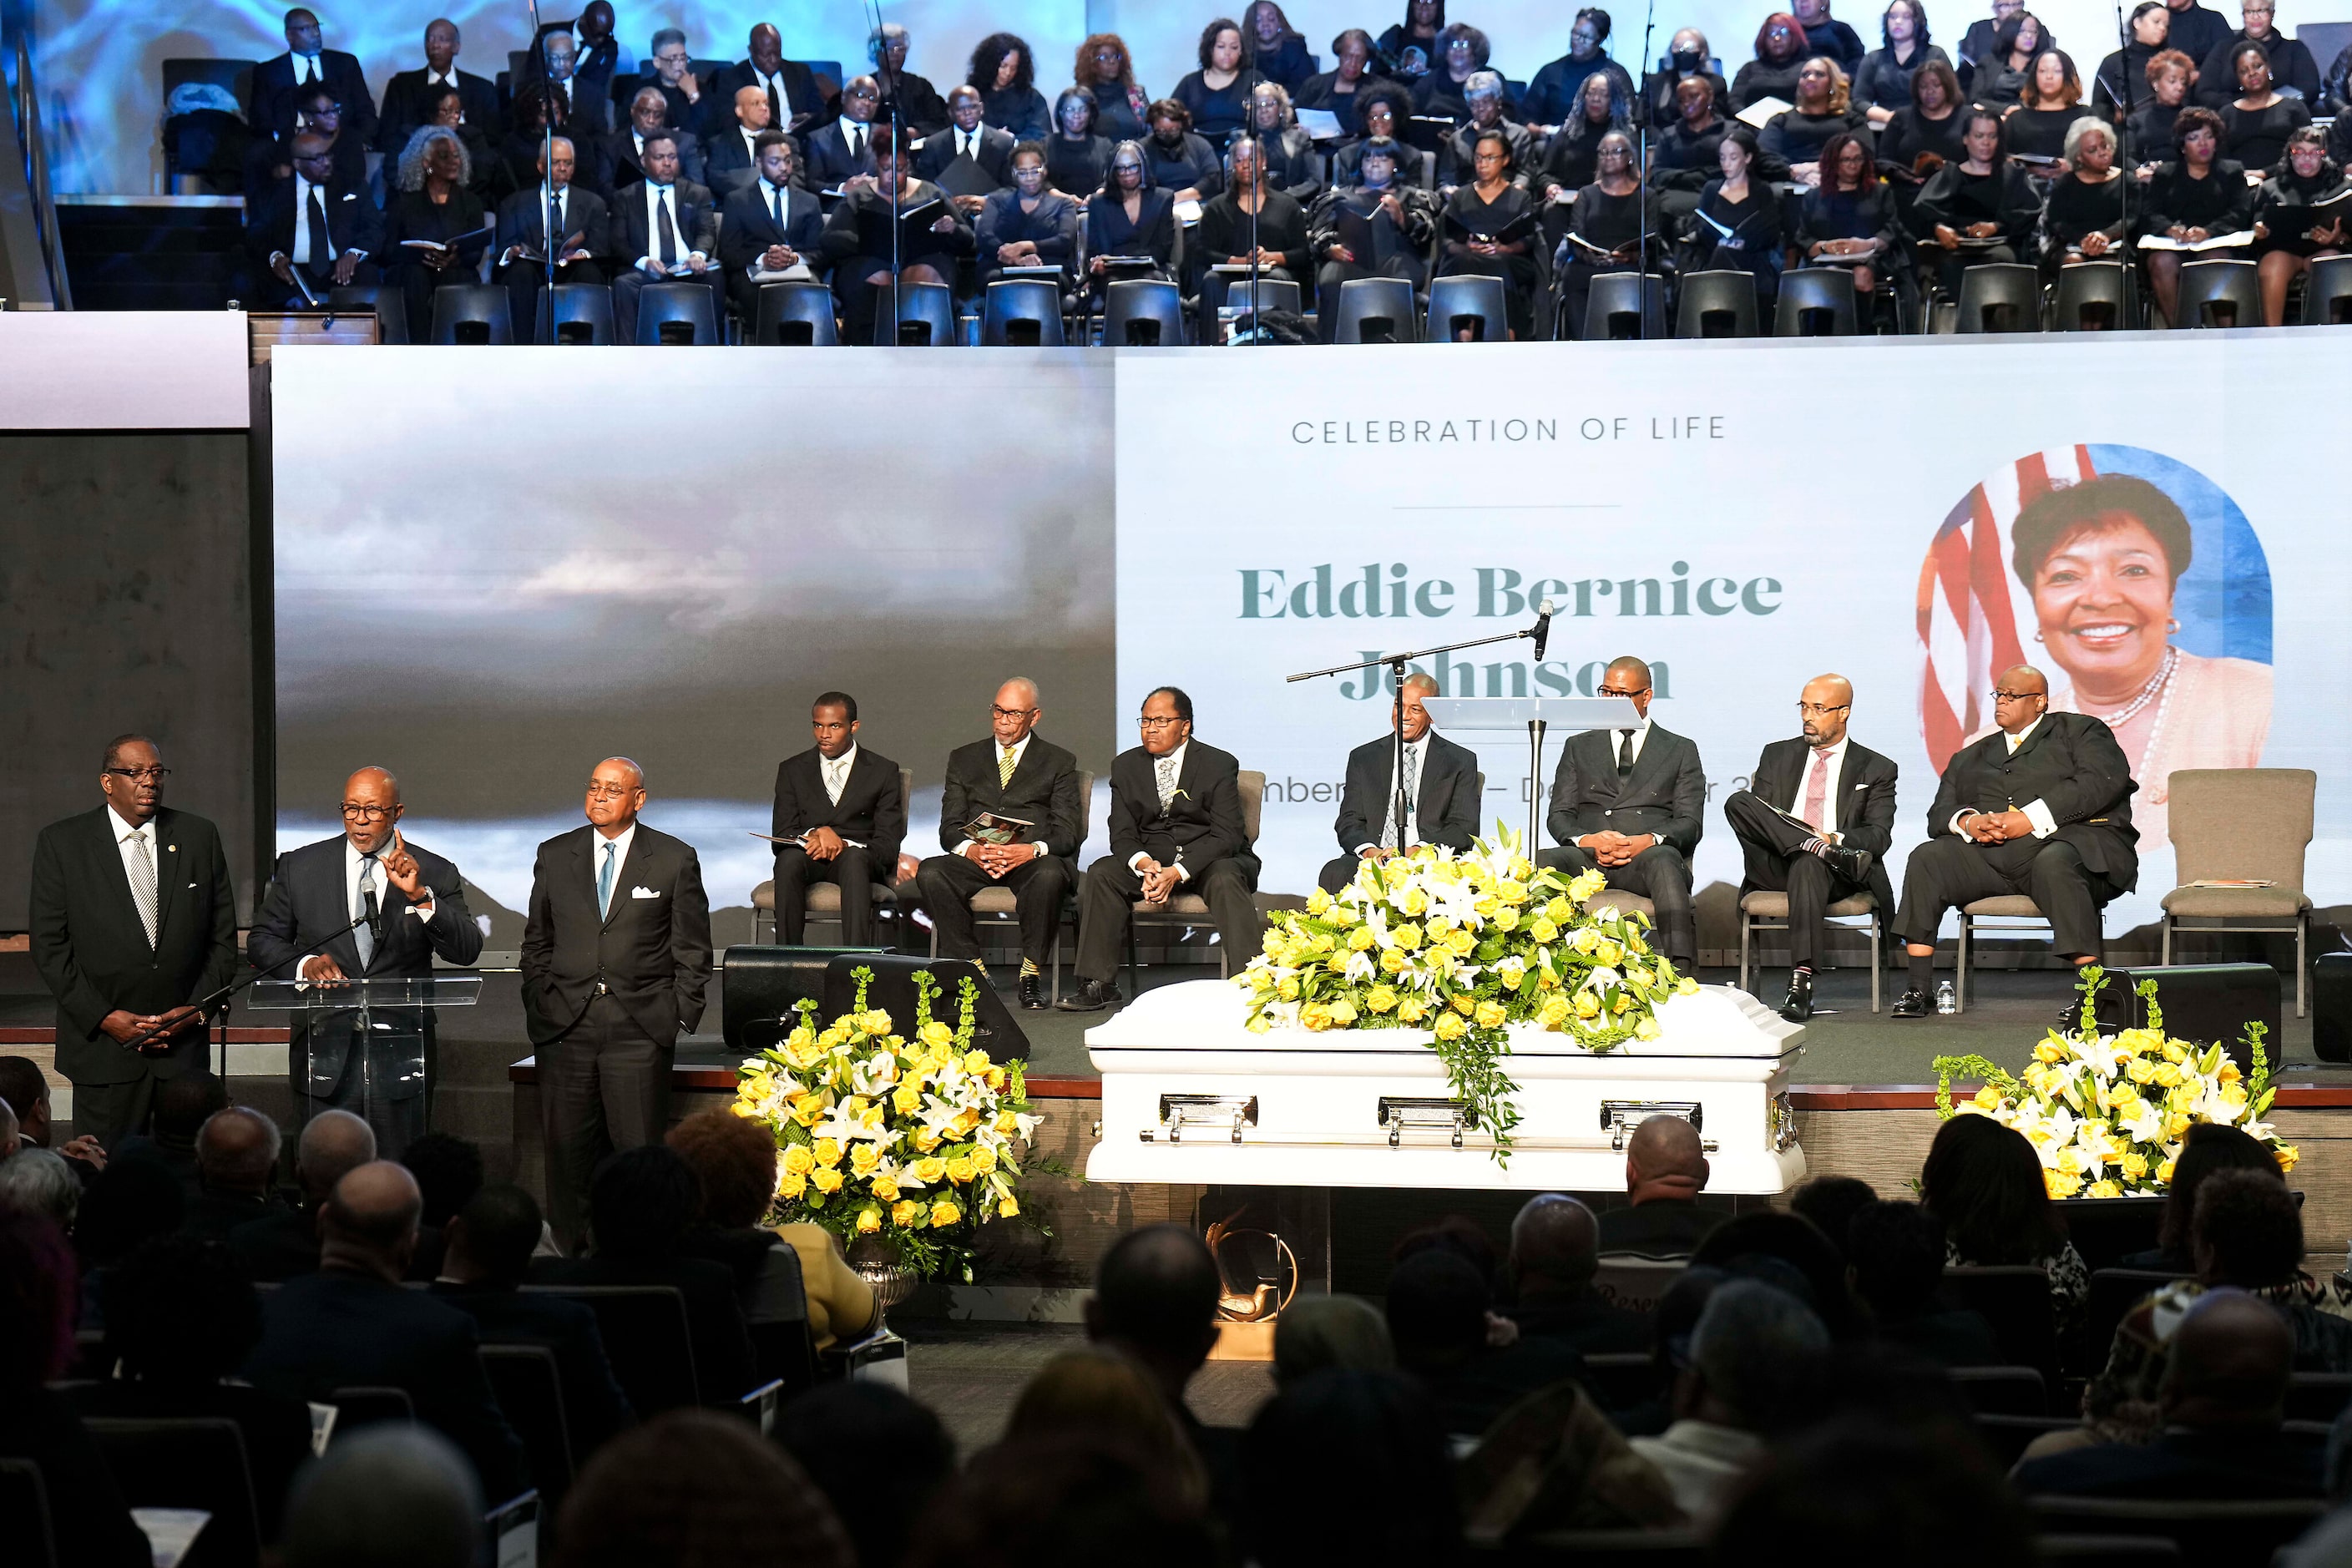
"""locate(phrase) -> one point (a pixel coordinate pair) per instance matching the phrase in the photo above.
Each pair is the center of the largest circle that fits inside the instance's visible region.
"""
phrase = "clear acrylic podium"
(360, 1045)
(1532, 716)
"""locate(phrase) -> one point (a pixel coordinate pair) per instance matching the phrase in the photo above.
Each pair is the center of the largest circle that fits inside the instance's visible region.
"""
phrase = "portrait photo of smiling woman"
(2135, 585)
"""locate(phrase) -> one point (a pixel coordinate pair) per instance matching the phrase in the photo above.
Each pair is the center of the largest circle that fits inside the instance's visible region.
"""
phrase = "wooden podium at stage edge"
(268, 331)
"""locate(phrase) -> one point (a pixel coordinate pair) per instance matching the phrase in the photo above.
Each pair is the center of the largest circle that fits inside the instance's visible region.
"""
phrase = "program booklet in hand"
(1759, 113)
(995, 828)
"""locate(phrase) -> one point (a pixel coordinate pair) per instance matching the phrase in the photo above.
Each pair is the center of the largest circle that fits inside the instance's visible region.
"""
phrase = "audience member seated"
(640, 1208)
(878, 1457)
(1688, 57)
(181, 1316)
(730, 156)
(556, 215)
(236, 1164)
(350, 1325)
(135, 1198)
(1131, 219)
(2290, 61)
(1077, 161)
(1828, 38)
(389, 1496)
(1063, 1499)
(491, 1242)
(1383, 109)
(1400, 218)
(2124, 73)
(1289, 151)
(570, 98)
(2156, 114)
(316, 223)
(1780, 54)
(1104, 67)
(1823, 110)
(621, 154)
(1276, 50)
(1155, 1301)
(1347, 1467)
(1737, 225)
(39, 1182)
(1005, 72)
(1755, 1356)
(1555, 1253)
(771, 230)
(856, 242)
(448, 1171)
(1558, 88)
(1572, 159)
(669, 71)
(907, 99)
(1831, 1203)
(1895, 1251)
(181, 1104)
(2248, 1237)
(1407, 51)
(1248, 220)
(2200, 196)
(273, 96)
(1923, 138)
(269, 158)
(1683, 156)
(2208, 1147)
(1984, 1182)
(1882, 84)
(980, 155)
(2048, 106)
(1101, 1396)
(284, 1243)
(515, 154)
(2003, 75)
(840, 152)
(2256, 125)
(1325, 1333)
(486, 171)
(1439, 1318)
(2223, 1400)
(1848, 221)
(666, 231)
(1666, 1170)
(1179, 161)
(432, 205)
(2086, 220)
(24, 1090)
(90, 1524)
(1976, 42)
(1490, 227)
(1788, 1252)
(1339, 89)
(697, 1489)
(1029, 225)
(1444, 92)
(1981, 208)
(1864, 1488)
(787, 88)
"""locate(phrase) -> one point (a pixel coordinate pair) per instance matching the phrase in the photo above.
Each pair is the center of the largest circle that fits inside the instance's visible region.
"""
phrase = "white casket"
(1189, 1095)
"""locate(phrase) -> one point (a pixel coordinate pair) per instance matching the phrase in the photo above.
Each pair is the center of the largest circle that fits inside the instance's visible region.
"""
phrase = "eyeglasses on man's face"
(142, 775)
(1822, 710)
(1623, 690)
(1998, 694)
(1151, 723)
(1010, 712)
(354, 812)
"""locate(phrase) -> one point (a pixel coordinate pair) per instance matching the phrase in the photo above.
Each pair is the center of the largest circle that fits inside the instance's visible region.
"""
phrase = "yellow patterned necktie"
(1005, 763)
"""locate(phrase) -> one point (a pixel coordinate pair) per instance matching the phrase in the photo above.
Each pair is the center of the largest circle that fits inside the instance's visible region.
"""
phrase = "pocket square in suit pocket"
(351, 196)
(644, 893)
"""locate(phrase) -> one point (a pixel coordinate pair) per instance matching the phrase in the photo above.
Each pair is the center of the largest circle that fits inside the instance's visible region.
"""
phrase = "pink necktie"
(1817, 789)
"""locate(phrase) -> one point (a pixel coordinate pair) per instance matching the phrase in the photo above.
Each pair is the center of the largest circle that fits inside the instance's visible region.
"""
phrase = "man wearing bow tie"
(616, 954)
(412, 907)
(1846, 795)
(133, 917)
(840, 805)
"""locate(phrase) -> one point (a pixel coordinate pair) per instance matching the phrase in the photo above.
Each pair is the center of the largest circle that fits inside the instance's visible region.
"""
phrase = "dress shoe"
(1091, 997)
(1032, 994)
(1914, 1004)
(1854, 865)
(1799, 1003)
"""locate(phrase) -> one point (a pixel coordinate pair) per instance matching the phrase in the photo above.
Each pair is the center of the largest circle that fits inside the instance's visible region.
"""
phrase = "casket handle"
(1399, 1112)
(1619, 1117)
(1232, 1110)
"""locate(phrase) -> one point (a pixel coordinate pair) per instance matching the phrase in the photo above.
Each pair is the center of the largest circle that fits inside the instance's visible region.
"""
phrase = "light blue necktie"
(605, 883)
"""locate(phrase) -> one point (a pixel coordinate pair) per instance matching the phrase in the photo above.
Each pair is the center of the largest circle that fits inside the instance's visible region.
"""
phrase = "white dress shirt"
(1016, 751)
(968, 142)
(2037, 812)
(136, 844)
(307, 69)
(652, 197)
(1419, 751)
(301, 251)
(857, 134)
(1641, 733)
(1175, 758)
(1828, 828)
(834, 770)
(619, 843)
(351, 859)
(775, 84)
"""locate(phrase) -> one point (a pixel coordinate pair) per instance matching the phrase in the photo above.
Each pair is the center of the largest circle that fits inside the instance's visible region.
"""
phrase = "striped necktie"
(1005, 763)
(142, 879)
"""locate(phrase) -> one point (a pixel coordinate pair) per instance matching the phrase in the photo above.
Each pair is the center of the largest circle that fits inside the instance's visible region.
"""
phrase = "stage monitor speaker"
(2207, 1003)
(761, 986)
(2331, 1006)
(995, 1030)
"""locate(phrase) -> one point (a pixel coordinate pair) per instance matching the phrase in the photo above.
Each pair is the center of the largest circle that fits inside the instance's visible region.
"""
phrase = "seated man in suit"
(350, 1325)
(1665, 1170)
(1014, 772)
(841, 154)
(1845, 793)
(283, 1243)
(316, 110)
(2041, 806)
(270, 103)
(580, 230)
(731, 154)
(623, 153)
(572, 101)
(918, 105)
(413, 908)
(789, 89)
(840, 804)
(665, 223)
(1176, 823)
(1440, 783)
(982, 154)
(772, 228)
(315, 221)
(1555, 1253)
(1628, 803)
(237, 1161)
(670, 72)
(408, 96)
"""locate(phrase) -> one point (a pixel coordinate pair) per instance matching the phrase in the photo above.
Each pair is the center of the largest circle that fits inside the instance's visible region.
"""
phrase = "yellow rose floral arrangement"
(1464, 946)
(2107, 1113)
(912, 1139)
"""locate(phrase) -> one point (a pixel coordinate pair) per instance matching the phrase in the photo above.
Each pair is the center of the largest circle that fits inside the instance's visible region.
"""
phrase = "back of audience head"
(1319, 1333)
(237, 1152)
(9, 1138)
(492, 1239)
(1787, 1251)
(333, 1144)
(136, 1196)
(2248, 1231)
(1459, 1235)
(641, 1201)
(183, 1104)
(370, 1220)
(1102, 1396)
(448, 1171)
(1831, 1203)
(1349, 1466)
(26, 1092)
(1895, 1256)
(1155, 1298)
(877, 1456)
(694, 1488)
(1756, 1354)
(1984, 1182)
(2231, 1361)
(1664, 1158)
(1063, 1502)
(734, 1163)
(1675, 1317)
(1865, 1489)
(1437, 1311)
(2210, 1148)
(37, 1304)
(180, 1310)
(388, 1497)
(1555, 1246)
(38, 1181)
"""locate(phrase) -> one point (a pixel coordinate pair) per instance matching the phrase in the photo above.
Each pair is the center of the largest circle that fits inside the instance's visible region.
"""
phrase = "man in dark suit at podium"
(615, 955)
(2041, 807)
(1176, 824)
(1628, 803)
(270, 99)
(1845, 793)
(842, 803)
(415, 903)
(1441, 777)
(133, 918)
(1018, 773)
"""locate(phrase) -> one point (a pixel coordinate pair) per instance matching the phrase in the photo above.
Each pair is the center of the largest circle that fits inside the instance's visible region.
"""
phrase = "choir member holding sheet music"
(2299, 214)
(1490, 227)
(931, 235)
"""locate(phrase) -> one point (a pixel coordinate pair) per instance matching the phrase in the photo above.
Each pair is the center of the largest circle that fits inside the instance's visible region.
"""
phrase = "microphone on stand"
(1543, 628)
(374, 916)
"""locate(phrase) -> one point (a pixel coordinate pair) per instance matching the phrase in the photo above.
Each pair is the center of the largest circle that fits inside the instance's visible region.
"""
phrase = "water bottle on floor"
(1946, 1003)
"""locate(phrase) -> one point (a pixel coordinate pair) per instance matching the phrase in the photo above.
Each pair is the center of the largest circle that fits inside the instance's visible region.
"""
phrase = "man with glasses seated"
(1176, 825)
(133, 918)
(1628, 803)
(409, 904)
(2041, 807)
(1814, 823)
